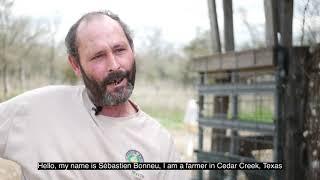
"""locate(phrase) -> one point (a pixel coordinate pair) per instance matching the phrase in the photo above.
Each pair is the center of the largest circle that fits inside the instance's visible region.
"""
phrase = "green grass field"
(261, 114)
(169, 118)
(164, 101)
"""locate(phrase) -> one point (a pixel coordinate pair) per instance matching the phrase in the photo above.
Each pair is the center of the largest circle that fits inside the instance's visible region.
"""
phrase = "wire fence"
(238, 116)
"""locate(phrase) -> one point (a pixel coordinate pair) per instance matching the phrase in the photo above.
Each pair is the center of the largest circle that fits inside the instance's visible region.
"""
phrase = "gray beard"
(118, 97)
(100, 97)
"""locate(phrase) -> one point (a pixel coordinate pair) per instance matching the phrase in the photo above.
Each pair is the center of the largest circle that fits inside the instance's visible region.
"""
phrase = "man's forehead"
(90, 23)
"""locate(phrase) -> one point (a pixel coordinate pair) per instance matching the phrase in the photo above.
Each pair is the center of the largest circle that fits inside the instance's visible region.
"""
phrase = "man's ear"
(75, 65)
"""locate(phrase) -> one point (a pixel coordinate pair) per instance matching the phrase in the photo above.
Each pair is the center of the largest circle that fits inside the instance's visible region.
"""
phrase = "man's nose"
(113, 63)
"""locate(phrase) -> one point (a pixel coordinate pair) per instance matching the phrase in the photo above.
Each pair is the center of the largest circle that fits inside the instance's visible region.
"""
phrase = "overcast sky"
(177, 19)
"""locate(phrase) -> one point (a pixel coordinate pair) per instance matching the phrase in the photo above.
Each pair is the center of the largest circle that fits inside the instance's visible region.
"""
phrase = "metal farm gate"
(252, 104)
(251, 109)
(238, 101)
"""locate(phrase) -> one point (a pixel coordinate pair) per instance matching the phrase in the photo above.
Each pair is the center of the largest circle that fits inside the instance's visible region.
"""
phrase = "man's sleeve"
(174, 156)
(6, 116)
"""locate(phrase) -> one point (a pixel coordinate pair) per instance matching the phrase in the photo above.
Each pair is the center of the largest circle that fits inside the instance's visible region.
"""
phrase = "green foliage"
(160, 60)
(199, 46)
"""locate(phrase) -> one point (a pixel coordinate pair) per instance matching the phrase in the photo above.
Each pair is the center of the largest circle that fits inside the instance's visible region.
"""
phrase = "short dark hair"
(71, 38)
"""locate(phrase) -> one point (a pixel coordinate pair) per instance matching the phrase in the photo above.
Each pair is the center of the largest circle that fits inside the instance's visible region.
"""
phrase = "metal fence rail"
(238, 105)
(235, 89)
(237, 124)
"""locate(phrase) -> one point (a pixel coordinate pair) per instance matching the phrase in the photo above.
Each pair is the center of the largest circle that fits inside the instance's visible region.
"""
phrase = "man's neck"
(121, 110)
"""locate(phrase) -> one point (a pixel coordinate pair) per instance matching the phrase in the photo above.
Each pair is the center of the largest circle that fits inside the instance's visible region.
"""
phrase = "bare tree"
(5, 41)
(253, 32)
(309, 12)
(18, 38)
(26, 42)
(53, 29)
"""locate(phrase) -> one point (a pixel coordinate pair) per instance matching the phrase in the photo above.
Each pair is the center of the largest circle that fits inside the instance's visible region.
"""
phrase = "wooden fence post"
(294, 113)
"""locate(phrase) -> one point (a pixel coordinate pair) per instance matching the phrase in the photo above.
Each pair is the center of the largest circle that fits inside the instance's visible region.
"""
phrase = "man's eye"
(120, 50)
(97, 56)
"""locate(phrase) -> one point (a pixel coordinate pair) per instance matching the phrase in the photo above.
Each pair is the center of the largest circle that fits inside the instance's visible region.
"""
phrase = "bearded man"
(92, 123)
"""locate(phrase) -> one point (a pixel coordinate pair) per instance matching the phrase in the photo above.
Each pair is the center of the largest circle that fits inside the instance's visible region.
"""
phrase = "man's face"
(107, 62)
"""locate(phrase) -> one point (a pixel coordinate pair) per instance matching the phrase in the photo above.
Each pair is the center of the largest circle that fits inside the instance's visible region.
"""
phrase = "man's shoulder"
(51, 90)
(42, 96)
(46, 91)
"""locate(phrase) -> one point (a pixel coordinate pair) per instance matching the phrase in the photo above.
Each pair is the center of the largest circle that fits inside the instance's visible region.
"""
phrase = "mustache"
(114, 76)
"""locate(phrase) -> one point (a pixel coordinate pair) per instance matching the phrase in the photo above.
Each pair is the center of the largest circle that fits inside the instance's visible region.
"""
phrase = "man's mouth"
(118, 81)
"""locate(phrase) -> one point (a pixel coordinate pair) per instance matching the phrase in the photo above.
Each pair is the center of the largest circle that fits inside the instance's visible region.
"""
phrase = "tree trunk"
(215, 36)
(271, 25)
(286, 16)
(21, 76)
(51, 64)
(5, 79)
